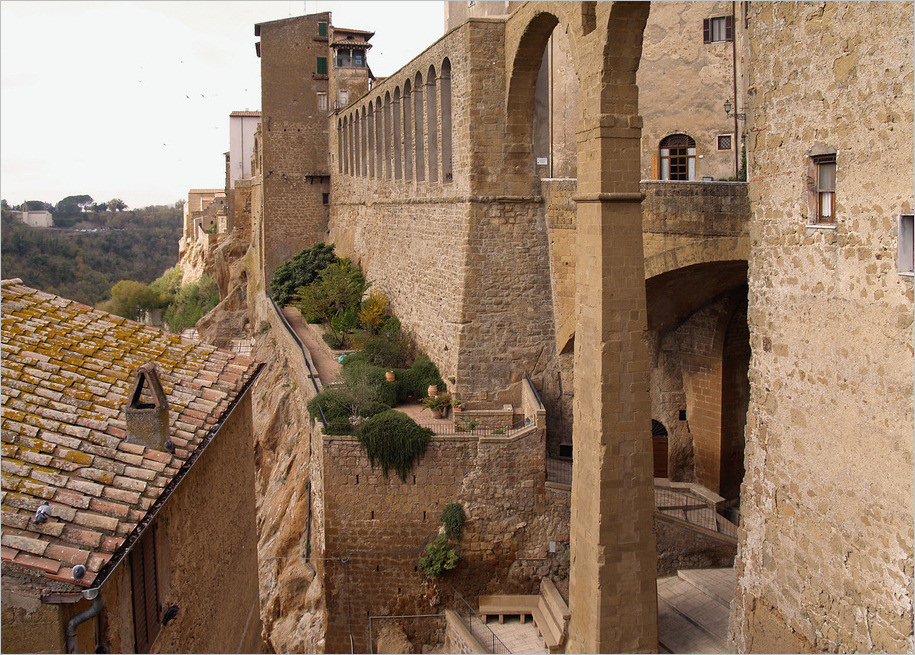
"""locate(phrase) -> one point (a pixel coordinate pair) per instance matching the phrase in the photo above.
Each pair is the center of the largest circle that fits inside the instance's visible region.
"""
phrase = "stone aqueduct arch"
(612, 595)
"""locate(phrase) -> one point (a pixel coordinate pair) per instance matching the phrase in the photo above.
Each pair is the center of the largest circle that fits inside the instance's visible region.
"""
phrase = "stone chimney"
(147, 409)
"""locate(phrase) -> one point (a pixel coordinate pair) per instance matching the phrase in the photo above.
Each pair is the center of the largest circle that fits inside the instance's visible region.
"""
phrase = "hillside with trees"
(92, 247)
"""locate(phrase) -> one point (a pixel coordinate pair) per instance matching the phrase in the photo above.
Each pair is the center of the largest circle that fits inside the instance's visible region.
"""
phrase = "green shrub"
(300, 271)
(393, 440)
(439, 557)
(335, 403)
(368, 382)
(453, 519)
(372, 408)
(415, 381)
(392, 348)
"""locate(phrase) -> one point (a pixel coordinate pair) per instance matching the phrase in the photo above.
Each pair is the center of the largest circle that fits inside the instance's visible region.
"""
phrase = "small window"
(718, 29)
(906, 244)
(825, 189)
(322, 101)
(358, 59)
(343, 58)
(325, 199)
(322, 29)
(725, 141)
(344, 98)
(322, 65)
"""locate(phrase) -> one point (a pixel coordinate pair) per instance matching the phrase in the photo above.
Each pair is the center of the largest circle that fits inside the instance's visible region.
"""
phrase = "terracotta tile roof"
(67, 371)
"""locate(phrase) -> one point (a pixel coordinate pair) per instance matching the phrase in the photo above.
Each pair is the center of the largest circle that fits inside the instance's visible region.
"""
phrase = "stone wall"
(372, 567)
(825, 561)
(289, 490)
(683, 84)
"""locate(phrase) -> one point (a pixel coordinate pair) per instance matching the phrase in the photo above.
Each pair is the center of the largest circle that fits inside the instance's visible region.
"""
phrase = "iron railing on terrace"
(459, 425)
(679, 502)
(481, 632)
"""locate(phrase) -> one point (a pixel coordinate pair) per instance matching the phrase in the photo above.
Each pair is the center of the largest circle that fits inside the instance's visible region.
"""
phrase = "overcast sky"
(131, 100)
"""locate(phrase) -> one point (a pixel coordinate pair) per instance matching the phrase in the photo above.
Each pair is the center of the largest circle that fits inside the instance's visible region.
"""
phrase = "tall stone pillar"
(612, 590)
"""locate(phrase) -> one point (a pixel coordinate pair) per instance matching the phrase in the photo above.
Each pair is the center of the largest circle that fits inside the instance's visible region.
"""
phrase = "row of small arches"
(405, 135)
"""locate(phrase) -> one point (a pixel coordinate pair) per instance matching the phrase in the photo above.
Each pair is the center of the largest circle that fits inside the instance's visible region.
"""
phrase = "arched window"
(659, 448)
(446, 121)
(678, 157)
(432, 124)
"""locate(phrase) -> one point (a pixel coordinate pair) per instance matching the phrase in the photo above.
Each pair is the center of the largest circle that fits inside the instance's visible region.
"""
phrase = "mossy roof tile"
(66, 376)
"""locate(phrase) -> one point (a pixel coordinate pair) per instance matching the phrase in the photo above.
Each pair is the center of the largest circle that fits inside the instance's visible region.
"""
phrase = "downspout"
(737, 141)
(83, 616)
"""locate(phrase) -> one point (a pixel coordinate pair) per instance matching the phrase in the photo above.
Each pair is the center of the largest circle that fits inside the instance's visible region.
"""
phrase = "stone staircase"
(693, 611)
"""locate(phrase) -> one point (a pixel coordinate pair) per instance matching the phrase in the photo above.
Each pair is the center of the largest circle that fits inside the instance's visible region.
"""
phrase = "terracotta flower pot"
(389, 376)
(433, 390)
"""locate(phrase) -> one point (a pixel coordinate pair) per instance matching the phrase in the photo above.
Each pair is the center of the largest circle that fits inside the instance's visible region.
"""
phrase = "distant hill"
(83, 262)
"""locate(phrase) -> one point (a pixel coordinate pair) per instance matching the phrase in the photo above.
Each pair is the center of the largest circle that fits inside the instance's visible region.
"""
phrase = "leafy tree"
(73, 205)
(131, 300)
(300, 271)
(117, 205)
(333, 298)
(37, 205)
(374, 311)
(191, 303)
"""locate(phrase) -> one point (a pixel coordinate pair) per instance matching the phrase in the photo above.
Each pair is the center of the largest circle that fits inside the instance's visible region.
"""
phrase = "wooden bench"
(547, 609)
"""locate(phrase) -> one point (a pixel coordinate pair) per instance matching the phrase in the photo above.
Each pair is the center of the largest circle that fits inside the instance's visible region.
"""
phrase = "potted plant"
(438, 404)
(458, 405)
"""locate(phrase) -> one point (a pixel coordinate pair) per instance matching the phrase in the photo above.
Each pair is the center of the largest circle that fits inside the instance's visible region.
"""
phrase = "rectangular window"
(343, 58)
(344, 98)
(718, 29)
(724, 141)
(145, 588)
(322, 29)
(322, 65)
(357, 59)
(826, 189)
(906, 244)
(322, 101)
(325, 198)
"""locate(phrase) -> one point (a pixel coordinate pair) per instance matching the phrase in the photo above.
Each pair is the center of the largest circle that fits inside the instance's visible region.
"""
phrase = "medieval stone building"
(547, 196)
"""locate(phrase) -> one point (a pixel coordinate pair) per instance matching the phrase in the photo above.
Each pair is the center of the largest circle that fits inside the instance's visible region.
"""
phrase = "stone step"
(678, 634)
(691, 620)
(717, 583)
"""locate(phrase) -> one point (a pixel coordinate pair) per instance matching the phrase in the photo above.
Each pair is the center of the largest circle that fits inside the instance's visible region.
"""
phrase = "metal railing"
(559, 470)
(481, 632)
(305, 354)
(685, 505)
(469, 426)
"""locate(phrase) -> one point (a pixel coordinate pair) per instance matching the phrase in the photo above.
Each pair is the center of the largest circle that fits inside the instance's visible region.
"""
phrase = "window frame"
(689, 158)
(322, 101)
(144, 585)
(818, 164)
(729, 137)
(709, 29)
(321, 63)
(905, 244)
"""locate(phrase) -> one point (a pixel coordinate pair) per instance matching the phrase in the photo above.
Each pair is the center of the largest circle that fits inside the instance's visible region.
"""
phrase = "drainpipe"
(83, 616)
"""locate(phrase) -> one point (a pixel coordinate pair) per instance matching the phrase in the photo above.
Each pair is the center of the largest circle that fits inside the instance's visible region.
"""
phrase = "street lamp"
(727, 109)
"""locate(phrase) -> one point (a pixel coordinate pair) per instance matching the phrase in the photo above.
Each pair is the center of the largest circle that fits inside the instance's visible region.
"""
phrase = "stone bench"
(547, 609)
(503, 605)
